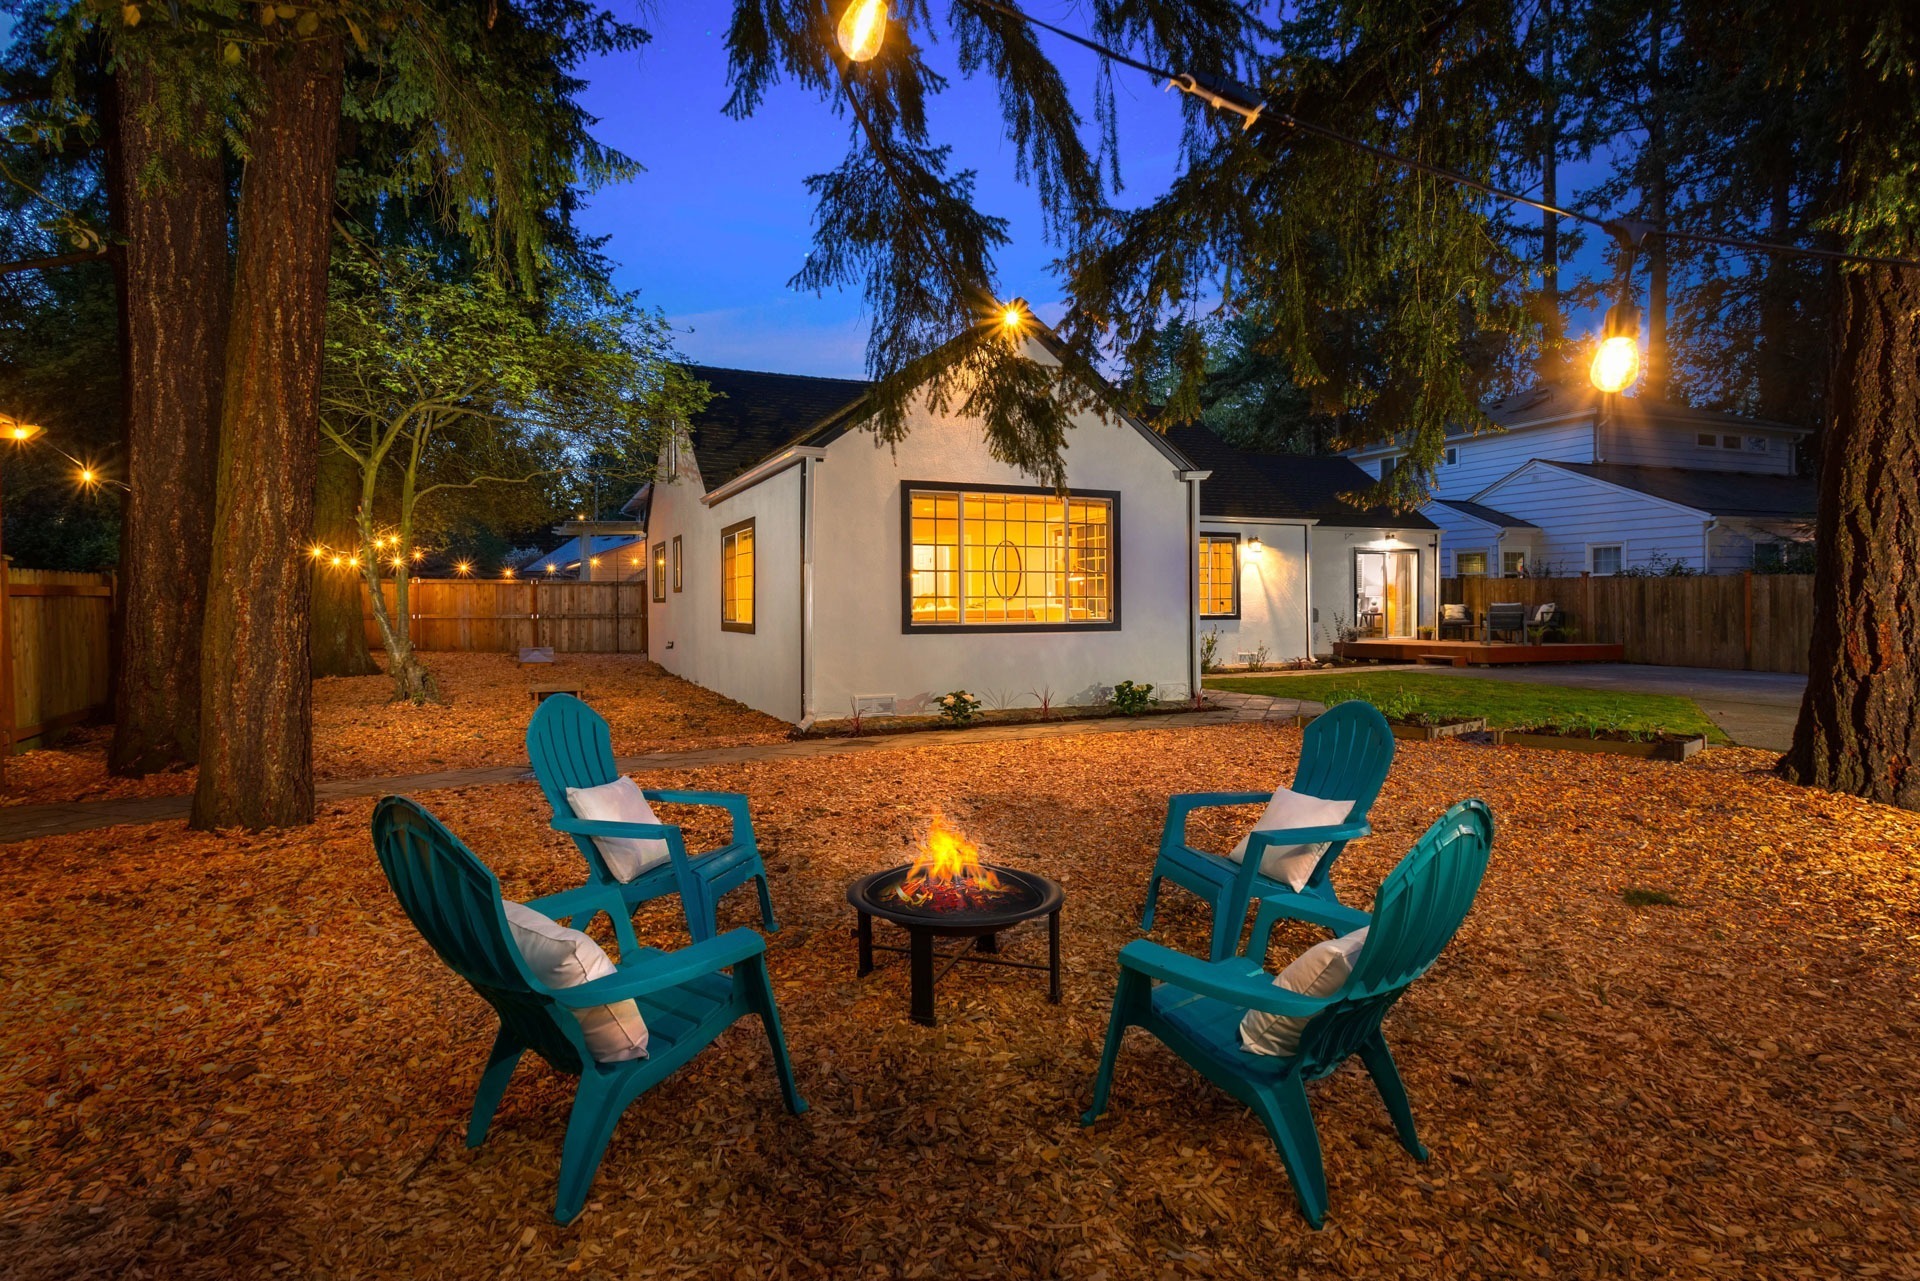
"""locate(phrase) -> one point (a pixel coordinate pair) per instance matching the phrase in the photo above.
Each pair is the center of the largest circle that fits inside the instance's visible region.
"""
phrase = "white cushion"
(560, 957)
(620, 801)
(1293, 863)
(1321, 970)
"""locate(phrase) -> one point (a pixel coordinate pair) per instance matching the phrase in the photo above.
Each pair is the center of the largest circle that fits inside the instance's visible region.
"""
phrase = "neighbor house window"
(659, 571)
(1220, 576)
(1606, 559)
(736, 577)
(1452, 456)
(1386, 468)
(1010, 558)
(1513, 564)
(676, 562)
(1470, 564)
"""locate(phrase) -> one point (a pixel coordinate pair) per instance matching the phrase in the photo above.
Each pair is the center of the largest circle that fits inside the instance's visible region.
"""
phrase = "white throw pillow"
(560, 957)
(1321, 970)
(1293, 863)
(620, 801)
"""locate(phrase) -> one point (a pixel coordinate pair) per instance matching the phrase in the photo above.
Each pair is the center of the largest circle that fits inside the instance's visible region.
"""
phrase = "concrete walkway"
(1754, 709)
(30, 822)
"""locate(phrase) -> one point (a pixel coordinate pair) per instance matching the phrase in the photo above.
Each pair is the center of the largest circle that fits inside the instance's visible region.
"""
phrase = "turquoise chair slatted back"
(1345, 755)
(1415, 916)
(569, 745)
(453, 899)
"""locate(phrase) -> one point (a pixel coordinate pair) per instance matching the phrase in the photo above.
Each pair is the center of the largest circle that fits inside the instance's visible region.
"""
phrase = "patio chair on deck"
(1507, 618)
(1547, 618)
(1457, 618)
(1344, 756)
(571, 747)
(1197, 1008)
(668, 1005)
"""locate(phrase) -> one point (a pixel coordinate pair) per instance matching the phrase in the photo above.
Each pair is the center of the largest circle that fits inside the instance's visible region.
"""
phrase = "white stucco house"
(1290, 561)
(800, 567)
(1577, 482)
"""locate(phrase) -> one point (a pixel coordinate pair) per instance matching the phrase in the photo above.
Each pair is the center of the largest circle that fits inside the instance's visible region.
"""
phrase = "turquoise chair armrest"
(576, 909)
(1238, 981)
(1349, 831)
(733, 802)
(666, 970)
(611, 827)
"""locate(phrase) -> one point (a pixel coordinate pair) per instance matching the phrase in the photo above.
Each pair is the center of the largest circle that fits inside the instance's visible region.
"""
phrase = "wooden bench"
(541, 693)
(1443, 660)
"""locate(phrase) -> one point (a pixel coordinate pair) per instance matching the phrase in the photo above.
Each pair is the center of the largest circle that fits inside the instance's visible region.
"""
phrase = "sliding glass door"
(1386, 591)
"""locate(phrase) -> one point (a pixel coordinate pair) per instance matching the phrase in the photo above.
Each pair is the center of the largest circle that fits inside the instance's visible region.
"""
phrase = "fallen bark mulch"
(232, 1056)
(360, 732)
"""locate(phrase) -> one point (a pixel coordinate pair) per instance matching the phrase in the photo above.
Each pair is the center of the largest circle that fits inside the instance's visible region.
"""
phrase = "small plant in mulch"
(957, 708)
(856, 723)
(1634, 896)
(1210, 650)
(1044, 699)
(1131, 698)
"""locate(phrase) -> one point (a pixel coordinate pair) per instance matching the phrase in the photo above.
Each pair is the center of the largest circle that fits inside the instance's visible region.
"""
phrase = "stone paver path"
(29, 822)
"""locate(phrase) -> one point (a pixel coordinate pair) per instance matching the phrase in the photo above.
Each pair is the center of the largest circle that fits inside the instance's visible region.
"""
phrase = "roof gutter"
(791, 456)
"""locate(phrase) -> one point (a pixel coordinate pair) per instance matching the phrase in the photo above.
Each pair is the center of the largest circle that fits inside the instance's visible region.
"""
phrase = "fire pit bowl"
(962, 910)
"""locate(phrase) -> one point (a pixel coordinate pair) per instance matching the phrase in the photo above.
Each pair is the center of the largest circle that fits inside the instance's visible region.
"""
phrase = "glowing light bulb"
(1255, 547)
(863, 29)
(398, 563)
(86, 476)
(464, 567)
(1617, 363)
(317, 551)
(418, 554)
(1012, 317)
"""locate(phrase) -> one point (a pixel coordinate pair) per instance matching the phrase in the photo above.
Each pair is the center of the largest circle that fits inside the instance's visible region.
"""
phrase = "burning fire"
(948, 875)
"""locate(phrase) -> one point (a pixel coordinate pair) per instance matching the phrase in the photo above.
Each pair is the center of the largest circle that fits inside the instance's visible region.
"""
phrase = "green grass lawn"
(1504, 704)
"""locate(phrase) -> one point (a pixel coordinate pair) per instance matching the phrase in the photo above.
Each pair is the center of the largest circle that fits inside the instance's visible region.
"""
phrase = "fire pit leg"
(920, 956)
(866, 945)
(987, 943)
(1053, 956)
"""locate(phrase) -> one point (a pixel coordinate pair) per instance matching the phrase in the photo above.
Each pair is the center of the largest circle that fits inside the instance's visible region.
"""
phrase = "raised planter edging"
(1669, 751)
(1417, 733)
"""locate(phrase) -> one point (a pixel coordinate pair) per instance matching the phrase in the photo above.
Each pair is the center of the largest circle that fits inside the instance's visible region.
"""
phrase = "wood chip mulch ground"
(231, 1056)
(359, 732)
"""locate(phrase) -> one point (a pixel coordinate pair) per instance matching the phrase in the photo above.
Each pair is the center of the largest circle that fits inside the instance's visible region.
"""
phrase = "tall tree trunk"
(1859, 728)
(339, 635)
(173, 210)
(256, 753)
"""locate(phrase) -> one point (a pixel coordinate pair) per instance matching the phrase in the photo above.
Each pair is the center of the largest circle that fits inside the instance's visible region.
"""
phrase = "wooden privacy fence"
(506, 616)
(1758, 622)
(58, 651)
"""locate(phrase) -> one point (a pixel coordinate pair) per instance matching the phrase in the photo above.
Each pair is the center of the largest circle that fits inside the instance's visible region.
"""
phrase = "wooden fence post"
(1746, 591)
(6, 665)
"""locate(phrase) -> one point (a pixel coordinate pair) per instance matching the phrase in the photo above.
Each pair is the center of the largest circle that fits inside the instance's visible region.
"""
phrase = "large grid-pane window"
(1470, 564)
(1219, 577)
(736, 577)
(1009, 559)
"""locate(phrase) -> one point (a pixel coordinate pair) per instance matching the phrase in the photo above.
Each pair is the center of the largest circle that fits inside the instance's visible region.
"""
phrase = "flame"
(948, 870)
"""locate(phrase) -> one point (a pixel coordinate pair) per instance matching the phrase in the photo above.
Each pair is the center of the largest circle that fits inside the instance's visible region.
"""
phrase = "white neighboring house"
(1288, 562)
(801, 568)
(1581, 482)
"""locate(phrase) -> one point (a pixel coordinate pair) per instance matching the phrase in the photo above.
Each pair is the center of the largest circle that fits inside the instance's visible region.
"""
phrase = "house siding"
(860, 647)
(1273, 592)
(1330, 565)
(1575, 512)
(1486, 458)
(1675, 445)
(759, 668)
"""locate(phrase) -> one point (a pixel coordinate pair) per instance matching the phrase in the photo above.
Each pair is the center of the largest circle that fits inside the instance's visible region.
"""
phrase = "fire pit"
(948, 892)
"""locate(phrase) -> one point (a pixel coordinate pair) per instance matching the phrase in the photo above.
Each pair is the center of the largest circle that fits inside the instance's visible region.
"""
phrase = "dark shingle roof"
(1718, 493)
(1481, 512)
(1246, 485)
(753, 414)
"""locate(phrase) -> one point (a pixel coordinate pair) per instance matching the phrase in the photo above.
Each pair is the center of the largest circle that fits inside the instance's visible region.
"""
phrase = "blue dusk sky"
(721, 220)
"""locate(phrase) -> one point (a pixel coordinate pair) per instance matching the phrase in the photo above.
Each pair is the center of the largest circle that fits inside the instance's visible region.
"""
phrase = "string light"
(18, 432)
(465, 567)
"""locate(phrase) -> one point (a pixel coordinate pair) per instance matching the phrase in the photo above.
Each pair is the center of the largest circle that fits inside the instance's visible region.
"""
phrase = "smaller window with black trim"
(676, 562)
(1219, 575)
(736, 577)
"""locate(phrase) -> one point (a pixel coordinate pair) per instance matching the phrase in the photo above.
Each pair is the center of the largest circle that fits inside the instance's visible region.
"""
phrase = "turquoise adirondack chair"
(1195, 1006)
(570, 746)
(686, 997)
(1344, 756)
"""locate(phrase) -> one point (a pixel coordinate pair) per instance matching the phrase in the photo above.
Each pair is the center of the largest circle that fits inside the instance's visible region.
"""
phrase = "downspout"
(806, 593)
(1306, 556)
(1706, 544)
(1193, 581)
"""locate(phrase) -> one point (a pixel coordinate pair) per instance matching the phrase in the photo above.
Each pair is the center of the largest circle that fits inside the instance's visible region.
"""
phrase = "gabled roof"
(1247, 485)
(1486, 515)
(1556, 402)
(567, 554)
(1717, 493)
(754, 414)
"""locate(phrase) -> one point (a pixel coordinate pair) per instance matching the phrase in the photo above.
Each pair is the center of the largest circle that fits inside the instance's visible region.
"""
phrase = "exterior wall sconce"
(1255, 548)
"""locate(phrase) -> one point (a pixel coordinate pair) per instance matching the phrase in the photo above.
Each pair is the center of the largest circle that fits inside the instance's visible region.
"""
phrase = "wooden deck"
(1476, 653)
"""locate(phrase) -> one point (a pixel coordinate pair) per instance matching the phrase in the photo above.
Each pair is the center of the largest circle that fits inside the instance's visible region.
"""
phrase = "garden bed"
(1421, 729)
(871, 726)
(1657, 746)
